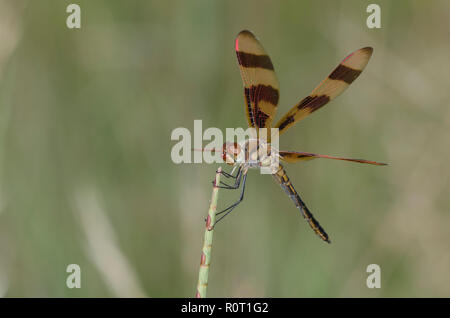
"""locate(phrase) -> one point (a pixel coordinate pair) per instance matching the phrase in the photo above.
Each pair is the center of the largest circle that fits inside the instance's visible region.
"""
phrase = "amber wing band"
(261, 89)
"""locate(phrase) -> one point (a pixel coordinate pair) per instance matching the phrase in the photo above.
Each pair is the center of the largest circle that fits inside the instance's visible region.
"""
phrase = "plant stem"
(205, 259)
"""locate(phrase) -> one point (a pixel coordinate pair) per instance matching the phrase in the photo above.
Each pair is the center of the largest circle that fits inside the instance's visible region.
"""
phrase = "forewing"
(292, 156)
(331, 87)
(261, 89)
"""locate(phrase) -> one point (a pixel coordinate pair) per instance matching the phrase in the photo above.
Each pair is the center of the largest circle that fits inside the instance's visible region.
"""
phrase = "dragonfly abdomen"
(282, 178)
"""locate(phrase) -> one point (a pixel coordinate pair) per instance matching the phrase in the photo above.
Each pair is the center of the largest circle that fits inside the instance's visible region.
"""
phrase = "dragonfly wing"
(292, 156)
(283, 180)
(331, 87)
(261, 89)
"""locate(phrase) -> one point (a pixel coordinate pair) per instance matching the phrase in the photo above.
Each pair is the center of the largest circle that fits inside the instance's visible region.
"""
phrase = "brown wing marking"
(282, 178)
(261, 89)
(331, 87)
(292, 156)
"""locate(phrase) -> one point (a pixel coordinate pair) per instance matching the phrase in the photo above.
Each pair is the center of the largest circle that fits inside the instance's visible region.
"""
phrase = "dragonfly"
(261, 94)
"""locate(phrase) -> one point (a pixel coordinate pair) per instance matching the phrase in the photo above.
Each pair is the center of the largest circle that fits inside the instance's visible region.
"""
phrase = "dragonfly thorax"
(252, 153)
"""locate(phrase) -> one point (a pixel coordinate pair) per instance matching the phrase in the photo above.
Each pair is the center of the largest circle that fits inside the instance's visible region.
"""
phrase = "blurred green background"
(86, 175)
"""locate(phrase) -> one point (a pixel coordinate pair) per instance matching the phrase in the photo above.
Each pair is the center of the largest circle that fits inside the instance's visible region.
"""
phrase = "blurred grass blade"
(103, 249)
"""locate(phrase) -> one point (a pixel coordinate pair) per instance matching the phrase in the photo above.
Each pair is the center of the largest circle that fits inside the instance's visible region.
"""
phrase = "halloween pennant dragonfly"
(261, 93)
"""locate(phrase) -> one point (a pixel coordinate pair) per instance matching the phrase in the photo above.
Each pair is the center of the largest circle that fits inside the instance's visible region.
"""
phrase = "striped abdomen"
(282, 178)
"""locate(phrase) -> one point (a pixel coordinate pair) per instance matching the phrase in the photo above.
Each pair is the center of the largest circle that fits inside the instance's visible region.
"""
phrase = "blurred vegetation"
(85, 169)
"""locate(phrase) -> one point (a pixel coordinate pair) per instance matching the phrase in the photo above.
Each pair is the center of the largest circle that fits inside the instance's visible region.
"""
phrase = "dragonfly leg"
(230, 175)
(231, 207)
(236, 184)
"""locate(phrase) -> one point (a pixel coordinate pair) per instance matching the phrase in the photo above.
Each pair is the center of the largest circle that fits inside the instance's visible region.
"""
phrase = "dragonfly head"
(230, 152)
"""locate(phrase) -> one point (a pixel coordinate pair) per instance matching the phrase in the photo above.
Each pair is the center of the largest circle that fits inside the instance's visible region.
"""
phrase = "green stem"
(205, 259)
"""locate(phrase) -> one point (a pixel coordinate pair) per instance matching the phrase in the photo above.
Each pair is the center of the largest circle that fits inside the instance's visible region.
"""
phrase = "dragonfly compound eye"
(230, 152)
